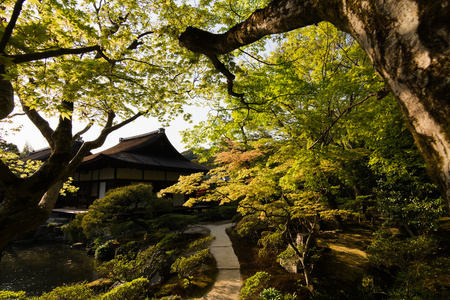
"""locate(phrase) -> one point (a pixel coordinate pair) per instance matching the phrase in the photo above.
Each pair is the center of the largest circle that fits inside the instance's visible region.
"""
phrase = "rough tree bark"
(29, 201)
(408, 42)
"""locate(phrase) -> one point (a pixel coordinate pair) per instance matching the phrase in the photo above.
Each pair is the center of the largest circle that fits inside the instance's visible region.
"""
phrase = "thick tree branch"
(40, 123)
(279, 16)
(98, 142)
(21, 58)
(12, 23)
(135, 43)
(261, 23)
(7, 177)
(83, 131)
(6, 95)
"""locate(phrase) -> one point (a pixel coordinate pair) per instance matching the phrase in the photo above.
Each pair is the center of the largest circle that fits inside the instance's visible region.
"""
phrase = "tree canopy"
(94, 62)
(316, 141)
(406, 41)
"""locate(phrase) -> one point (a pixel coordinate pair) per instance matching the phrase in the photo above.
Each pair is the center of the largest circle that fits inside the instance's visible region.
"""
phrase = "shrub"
(134, 290)
(175, 222)
(274, 294)
(129, 250)
(271, 294)
(254, 285)
(271, 243)
(186, 266)
(9, 295)
(106, 251)
(74, 230)
(219, 213)
(251, 227)
(121, 210)
(72, 292)
(100, 285)
(146, 264)
(201, 244)
(413, 264)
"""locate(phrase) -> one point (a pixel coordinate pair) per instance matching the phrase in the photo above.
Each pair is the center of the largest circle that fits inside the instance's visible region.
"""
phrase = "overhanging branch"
(98, 142)
(40, 123)
(7, 177)
(12, 23)
(21, 58)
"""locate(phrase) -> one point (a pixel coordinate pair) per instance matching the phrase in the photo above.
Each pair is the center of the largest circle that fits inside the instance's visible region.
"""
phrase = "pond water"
(39, 268)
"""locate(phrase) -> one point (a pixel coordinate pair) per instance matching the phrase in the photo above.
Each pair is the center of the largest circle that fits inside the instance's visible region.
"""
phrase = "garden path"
(228, 282)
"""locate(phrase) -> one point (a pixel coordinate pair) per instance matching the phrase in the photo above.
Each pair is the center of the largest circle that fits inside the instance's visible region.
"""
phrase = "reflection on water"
(39, 268)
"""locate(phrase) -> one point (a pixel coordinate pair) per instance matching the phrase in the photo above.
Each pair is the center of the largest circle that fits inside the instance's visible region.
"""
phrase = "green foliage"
(121, 210)
(106, 251)
(274, 294)
(405, 194)
(200, 244)
(254, 285)
(24, 169)
(271, 243)
(146, 264)
(289, 252)
(74, 230)
(74, 292)
(137, 56)
(129, 250)
(413, 265)
(8, 147)
(271, 294)
(225, 212)
(251, 227)
(133, 290)
(9, 295)
(174, 222)
(185, 267)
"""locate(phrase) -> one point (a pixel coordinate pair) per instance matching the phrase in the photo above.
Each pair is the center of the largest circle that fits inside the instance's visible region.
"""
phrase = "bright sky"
(31, 134)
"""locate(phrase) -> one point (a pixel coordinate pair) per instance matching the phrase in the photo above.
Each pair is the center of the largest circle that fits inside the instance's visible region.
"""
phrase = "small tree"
(185, 267)
(122, 208)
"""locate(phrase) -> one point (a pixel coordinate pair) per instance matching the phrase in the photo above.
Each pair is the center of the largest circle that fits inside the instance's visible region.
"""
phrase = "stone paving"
(228, 282)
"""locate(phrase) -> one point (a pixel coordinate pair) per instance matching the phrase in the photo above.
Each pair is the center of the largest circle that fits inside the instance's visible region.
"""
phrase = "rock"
(77, 246)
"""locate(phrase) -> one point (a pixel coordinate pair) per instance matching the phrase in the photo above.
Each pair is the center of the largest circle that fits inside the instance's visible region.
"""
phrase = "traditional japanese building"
(147, 158)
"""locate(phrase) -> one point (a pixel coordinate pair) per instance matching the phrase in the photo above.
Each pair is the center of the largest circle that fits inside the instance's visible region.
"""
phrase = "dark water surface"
(39, 268)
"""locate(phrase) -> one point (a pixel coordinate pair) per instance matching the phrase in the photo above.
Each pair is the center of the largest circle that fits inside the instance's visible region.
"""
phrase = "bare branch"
(136, 41)
(380, 95)
(266, 63)
(15, 115)
(230, 76)
(83, 131)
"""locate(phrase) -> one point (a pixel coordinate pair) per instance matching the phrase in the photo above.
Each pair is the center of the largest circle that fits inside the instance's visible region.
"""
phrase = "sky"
(29, 133)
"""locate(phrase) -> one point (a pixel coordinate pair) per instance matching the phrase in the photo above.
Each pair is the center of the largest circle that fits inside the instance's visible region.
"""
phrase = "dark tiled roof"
(41, 154)
(44, 154)
(148, 151)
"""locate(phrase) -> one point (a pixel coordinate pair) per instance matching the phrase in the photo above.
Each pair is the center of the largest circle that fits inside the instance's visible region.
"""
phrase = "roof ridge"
(160, 130)
(39, 150)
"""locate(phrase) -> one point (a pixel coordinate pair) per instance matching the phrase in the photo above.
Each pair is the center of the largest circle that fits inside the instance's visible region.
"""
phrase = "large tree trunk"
(408, 42)
(25, 220)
